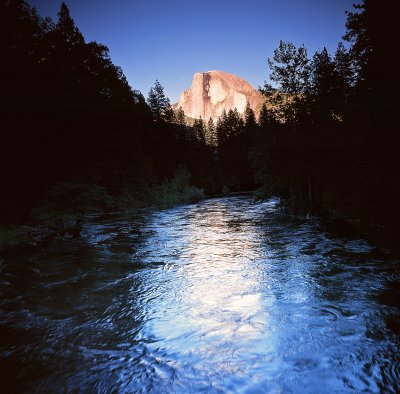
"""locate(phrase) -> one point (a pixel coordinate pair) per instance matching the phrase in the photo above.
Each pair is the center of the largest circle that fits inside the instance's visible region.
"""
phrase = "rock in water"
(213, 91)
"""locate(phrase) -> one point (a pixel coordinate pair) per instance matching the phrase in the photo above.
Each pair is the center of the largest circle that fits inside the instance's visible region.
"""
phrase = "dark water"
(226, 296)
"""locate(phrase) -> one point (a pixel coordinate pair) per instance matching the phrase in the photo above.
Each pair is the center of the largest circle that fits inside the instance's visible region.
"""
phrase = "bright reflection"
(219, 301)
(225, 298)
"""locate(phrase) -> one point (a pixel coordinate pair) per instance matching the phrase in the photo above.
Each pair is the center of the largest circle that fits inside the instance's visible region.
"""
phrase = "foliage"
(329, 144)
(176, 190)
(290, 68)
(67, 203)
(211, 133)
(249, 118)
(179, 117)
(199, 131)
(159, 104)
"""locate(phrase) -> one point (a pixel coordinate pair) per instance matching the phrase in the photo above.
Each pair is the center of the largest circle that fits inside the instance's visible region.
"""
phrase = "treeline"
(330, 144)
(229, 139)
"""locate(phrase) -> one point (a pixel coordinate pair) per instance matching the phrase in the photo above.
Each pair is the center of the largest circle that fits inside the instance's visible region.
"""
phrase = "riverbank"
(62, 212)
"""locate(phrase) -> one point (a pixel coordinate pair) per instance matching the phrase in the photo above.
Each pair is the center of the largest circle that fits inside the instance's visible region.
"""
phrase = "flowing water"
(229, 295)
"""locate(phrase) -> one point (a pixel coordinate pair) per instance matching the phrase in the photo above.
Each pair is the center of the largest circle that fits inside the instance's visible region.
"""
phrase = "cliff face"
(213, 91)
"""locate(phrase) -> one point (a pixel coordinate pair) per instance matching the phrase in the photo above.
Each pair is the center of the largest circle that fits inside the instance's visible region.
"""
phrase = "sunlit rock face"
(213, 91)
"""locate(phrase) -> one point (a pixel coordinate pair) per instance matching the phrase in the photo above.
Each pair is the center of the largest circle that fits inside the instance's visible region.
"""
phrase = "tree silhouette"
(249, 118)
(70, 34)
(159, 104)
(212, 138)
(290, 68)
(180, 117)
(199, 131)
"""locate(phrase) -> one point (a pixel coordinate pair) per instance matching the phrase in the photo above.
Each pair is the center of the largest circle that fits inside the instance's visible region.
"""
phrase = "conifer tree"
(265, 117)
(345, 69)
(249, 118)
(221, 131)
(180, 117)
(67, 29)
(212, 138)
(199, 130)
(159, 103)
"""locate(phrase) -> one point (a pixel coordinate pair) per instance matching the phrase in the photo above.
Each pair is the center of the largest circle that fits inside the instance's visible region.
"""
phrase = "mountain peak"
(213, 91)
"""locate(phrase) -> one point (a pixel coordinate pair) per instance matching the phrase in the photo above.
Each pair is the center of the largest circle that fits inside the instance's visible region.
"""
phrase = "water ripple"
(229, 295)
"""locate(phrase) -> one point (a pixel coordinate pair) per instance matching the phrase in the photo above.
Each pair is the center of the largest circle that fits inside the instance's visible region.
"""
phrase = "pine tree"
(67, 29)
(199, 130)
(325, 83)
(290, 68)
(220, 129)
(249, 118)
(212, 138)
(264, 118)
(323, 74)
(159, 104)
(180, 117)
(234, 123)
(344, 68)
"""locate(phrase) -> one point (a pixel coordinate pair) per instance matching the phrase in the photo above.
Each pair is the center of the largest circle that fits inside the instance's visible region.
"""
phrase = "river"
(226, 296)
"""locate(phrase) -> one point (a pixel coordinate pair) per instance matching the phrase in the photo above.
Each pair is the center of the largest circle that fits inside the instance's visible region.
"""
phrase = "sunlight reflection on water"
(214, 299)
(229, 295)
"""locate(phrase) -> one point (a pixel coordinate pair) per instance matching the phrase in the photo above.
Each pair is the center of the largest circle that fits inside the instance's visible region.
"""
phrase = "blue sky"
(170, 40)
